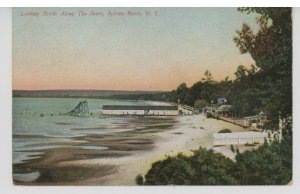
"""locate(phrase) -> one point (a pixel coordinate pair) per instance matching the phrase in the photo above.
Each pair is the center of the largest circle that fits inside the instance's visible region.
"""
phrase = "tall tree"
(271, 48)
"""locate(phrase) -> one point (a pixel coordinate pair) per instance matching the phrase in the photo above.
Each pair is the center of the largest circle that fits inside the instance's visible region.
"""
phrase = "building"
(223, 110)
(185, 110)
(221, 101)
(256, 122)
(140, 110)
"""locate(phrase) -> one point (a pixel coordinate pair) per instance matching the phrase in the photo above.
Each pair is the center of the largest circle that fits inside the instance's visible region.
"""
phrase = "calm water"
(32, 133)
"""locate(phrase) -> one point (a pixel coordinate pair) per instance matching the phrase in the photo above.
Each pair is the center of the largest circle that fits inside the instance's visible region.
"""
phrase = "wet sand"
(129, 152)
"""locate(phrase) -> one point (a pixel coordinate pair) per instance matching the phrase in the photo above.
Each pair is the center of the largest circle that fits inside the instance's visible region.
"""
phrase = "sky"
(122, 52)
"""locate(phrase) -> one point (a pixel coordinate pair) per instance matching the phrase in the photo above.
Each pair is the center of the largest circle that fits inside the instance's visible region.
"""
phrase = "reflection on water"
(20, 157)
(91, 147)
(32, 133)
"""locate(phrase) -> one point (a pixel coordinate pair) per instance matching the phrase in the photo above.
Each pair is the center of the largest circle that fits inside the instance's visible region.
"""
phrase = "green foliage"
(237, 151)
(249, 144)
(271, 48)
(207, 89)
(270, 164)
(139, 180)
(200, 103)
(209, 115)
(208, 76)
(213, 168)
(188, 100)
(181, 91)
(267, 165)
(204, 167)
(232, 148)
(245, 94)
(172, 170)
(225, 131)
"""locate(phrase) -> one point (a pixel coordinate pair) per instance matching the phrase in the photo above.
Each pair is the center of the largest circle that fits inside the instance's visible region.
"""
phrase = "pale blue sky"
(123, 52)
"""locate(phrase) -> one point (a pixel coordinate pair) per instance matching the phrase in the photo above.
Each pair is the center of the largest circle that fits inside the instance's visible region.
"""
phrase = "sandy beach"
(129, 153)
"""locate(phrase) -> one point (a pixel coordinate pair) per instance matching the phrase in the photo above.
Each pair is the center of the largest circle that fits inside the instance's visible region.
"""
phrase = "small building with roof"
(221, 101)
(223, 110)
(256, 121)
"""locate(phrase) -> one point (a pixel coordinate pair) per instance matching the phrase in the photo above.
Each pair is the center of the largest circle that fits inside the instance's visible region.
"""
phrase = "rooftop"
(224, 107)
(138, 107)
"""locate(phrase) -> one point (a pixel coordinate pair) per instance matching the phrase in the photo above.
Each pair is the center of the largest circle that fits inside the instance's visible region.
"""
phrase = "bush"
(225, 131)
(200, 103)
(249, 144)
(270, 164)
(209, 115)
(232, 148)
(172, 170)
(139, 180)
(267, 165)
(204, 167)
(213, 168)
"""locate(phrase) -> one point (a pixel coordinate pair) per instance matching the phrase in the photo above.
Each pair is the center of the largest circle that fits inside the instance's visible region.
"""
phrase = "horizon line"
(90, 90)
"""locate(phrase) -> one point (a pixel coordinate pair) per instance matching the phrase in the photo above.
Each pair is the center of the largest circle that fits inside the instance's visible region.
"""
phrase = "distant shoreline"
(88, 97)
(80, 93)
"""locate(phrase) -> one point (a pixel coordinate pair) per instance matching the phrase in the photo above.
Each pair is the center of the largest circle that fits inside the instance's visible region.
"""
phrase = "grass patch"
(250, 144)
(215, 146)
(178, 133)
(225, 131)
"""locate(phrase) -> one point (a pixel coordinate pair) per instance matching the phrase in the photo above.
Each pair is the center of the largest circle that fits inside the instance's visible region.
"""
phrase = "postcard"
(152, 96)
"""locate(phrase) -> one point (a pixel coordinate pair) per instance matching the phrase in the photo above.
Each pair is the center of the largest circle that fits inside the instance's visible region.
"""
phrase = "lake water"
(32, 133)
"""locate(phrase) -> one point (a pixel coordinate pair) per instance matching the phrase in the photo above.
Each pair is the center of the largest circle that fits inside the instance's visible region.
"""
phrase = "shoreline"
(130, 152)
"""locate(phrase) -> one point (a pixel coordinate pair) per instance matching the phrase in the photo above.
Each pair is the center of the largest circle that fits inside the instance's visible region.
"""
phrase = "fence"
(239, 138)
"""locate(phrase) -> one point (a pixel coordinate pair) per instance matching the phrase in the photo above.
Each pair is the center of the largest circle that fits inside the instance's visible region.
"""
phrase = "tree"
(241, 73)
(196, 90)
(204, 167)
(209, 87)
(188, 99)
(172, 170)
(200, 103)
(139, 180)
(246, 94)
(271, 48)
(181, 91)
(224, 89)
(208, 77)
(268, 165)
